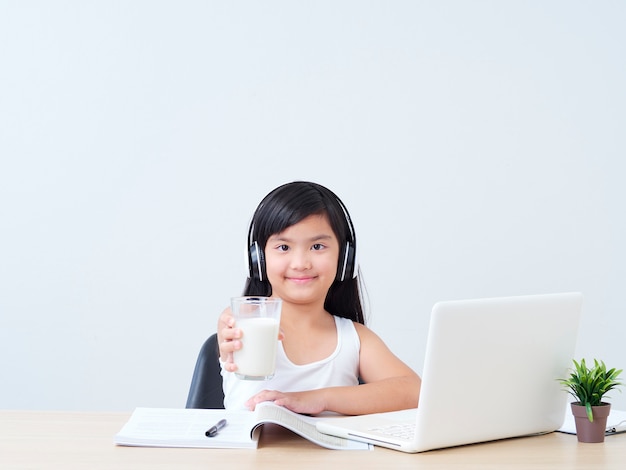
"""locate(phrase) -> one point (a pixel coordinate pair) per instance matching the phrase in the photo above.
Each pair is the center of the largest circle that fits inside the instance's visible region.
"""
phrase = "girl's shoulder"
(347, 322)
(366, 335)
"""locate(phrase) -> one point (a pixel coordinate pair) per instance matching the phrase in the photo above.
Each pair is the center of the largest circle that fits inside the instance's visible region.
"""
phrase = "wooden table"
(81, 440)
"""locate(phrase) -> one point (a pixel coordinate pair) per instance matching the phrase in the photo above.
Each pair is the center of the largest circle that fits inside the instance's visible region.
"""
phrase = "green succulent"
(589, 384)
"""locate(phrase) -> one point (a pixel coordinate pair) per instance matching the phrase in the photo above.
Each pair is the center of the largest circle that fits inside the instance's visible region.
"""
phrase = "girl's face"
(301, 261)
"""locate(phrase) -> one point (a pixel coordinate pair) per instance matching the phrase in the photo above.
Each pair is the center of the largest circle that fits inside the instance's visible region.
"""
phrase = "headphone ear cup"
(353, 262)
(347, 268)
(256, 262)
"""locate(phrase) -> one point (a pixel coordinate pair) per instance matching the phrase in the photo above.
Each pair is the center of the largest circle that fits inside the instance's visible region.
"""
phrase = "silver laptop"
(490, 372)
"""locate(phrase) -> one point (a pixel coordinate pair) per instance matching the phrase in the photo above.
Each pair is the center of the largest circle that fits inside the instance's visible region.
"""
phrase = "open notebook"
(490, 372)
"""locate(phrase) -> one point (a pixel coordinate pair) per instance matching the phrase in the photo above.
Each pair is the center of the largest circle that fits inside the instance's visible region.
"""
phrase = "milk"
(257, 357)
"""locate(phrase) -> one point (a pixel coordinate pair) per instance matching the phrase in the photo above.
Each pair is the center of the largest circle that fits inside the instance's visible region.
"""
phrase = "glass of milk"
(258, 318)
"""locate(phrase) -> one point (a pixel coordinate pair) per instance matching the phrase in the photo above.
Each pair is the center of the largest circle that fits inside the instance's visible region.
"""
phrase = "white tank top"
(341, 368)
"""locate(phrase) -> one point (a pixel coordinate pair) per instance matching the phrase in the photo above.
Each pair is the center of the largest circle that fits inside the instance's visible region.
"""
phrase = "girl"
(302, 250)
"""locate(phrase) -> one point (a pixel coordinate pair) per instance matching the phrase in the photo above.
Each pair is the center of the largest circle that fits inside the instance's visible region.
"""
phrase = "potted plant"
(588, 385)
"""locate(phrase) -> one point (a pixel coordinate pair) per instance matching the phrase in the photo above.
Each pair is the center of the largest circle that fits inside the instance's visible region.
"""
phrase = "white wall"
(479, 146)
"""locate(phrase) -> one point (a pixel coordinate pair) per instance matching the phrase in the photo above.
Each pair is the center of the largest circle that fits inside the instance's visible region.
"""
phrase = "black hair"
(286, 206)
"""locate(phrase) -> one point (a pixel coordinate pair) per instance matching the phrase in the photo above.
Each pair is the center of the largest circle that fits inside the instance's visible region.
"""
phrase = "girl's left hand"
(310, 402)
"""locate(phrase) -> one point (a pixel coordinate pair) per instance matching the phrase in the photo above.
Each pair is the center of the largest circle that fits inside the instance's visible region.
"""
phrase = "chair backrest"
(206, 384)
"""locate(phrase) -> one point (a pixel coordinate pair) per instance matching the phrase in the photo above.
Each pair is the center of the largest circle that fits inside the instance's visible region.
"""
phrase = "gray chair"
(206, 383)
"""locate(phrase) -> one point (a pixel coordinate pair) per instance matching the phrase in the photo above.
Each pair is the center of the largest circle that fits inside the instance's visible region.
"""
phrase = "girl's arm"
(389, 385)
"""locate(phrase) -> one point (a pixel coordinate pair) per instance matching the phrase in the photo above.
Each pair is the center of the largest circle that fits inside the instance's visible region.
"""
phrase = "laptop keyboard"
(401, 431)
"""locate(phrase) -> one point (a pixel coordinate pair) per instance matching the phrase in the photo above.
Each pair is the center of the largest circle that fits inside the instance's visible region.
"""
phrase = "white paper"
(616, 422)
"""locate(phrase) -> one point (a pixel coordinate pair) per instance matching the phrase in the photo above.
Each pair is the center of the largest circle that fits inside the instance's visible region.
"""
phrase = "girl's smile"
(301, 280)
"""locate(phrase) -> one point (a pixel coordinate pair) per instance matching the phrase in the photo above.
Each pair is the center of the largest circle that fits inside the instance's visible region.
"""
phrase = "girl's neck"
(303, 315)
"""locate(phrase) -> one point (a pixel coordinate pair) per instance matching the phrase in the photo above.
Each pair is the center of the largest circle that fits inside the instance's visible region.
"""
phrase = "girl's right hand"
(228, 337)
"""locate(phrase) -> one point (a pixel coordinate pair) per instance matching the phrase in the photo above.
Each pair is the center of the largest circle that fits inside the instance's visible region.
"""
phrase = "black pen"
(213, 430)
